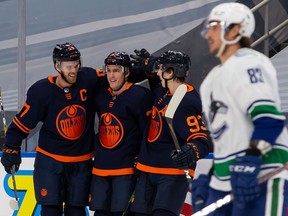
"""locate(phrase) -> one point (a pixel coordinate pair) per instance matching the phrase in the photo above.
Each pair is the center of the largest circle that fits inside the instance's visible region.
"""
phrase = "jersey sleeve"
(189, 125)
(143, 106)
(30, 114)
(256, 92)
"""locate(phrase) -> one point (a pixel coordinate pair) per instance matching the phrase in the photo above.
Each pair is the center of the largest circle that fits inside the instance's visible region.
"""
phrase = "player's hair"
(245, 42)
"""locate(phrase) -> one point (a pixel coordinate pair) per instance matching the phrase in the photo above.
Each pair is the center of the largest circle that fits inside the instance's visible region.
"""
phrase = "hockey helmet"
(66, 52)
(119, 58)
(234, 13)
(178, 61)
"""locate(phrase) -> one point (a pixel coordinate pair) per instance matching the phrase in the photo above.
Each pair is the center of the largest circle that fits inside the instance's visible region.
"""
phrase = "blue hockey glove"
(186, 157)
(200, 189)
(10, 156)
(244, 172)
(144, 60)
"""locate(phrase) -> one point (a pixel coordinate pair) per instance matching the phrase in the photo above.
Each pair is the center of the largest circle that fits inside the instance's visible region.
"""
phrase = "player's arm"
(268, 123)
(20, 127)
(191, 128)
(143, 68)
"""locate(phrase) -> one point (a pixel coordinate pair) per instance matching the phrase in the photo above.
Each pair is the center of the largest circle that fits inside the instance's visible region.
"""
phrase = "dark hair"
(245, 42)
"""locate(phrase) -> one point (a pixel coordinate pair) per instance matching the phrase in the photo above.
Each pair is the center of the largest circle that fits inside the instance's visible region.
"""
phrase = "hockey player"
(122, 109)
(63, 163)
(240, 98)
(162, 185)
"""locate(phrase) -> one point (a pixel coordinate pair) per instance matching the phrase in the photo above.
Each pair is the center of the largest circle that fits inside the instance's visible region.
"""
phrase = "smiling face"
(212, 34)
(68, 71)
(116, 76)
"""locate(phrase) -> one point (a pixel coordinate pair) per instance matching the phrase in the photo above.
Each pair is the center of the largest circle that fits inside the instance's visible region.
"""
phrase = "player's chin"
(72, 80)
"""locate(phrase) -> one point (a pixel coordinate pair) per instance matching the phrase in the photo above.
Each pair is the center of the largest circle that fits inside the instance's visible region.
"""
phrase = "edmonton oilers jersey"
(155, 154)
(67, 132)
(122, 120)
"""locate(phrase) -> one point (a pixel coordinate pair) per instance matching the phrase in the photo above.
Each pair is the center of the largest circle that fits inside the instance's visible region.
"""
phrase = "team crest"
(110, 130)
(155, 127)
(218, 110)
(71, 122)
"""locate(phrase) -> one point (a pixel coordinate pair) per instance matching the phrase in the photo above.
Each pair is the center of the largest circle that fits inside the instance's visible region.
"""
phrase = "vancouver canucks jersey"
(155, 154)
(122, 120)
(235, 95)
(67, 114)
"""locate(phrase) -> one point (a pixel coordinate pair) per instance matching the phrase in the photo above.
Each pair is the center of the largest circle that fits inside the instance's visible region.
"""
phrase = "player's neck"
(229, 51)
(123, 88)
(60, 82)
(173, 85)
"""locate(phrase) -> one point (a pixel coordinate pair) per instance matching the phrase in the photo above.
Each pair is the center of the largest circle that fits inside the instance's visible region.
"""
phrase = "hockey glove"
(200, 189)
(186, 157)
(244, 172)
(144, 60)
(10, 156)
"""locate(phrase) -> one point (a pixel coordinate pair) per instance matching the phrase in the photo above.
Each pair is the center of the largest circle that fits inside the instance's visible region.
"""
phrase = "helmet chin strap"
(226, 42)
(120, 86)
(166, 80)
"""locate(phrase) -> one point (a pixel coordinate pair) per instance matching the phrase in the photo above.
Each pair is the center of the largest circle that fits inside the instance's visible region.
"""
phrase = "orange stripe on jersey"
(113, 172)
(62, 158)
(197, 135)
(21, 126)
(160, 170)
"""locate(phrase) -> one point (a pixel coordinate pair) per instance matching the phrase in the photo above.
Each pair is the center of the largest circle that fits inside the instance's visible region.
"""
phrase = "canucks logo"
(217, 108)
(110, 130)
(71, 122)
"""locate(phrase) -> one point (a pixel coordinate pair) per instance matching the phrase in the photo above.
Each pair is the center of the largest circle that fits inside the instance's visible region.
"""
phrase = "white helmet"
(234, 13)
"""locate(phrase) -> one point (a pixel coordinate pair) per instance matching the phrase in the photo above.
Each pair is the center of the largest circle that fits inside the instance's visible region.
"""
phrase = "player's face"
(213, 36)
(163, 75)
(69, 71)
(115, 76)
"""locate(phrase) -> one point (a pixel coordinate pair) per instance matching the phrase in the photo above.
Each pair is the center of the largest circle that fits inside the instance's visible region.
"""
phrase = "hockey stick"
(3, 114)
(169, 114)
(229, 197)
(129, 204)
(13, 203)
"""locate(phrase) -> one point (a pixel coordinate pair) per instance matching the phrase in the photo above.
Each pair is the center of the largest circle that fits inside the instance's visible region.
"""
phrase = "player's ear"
(233, 31)
(57, 66)
(127, 73)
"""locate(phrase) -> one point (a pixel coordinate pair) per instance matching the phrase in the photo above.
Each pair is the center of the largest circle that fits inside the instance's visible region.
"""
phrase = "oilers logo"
(71, 122)
(110, 130)
(155, 127)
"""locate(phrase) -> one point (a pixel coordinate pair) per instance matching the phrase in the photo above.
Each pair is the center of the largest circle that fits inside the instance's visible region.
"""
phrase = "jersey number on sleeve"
(192, 121)
(255, 75)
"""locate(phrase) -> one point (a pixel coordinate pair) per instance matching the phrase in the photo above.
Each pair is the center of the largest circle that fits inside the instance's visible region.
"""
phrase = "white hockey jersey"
(230, 94)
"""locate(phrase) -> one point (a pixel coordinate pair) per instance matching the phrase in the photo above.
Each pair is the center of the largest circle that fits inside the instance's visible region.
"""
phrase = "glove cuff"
(258, 147)
(10, 149)
(197, 155)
